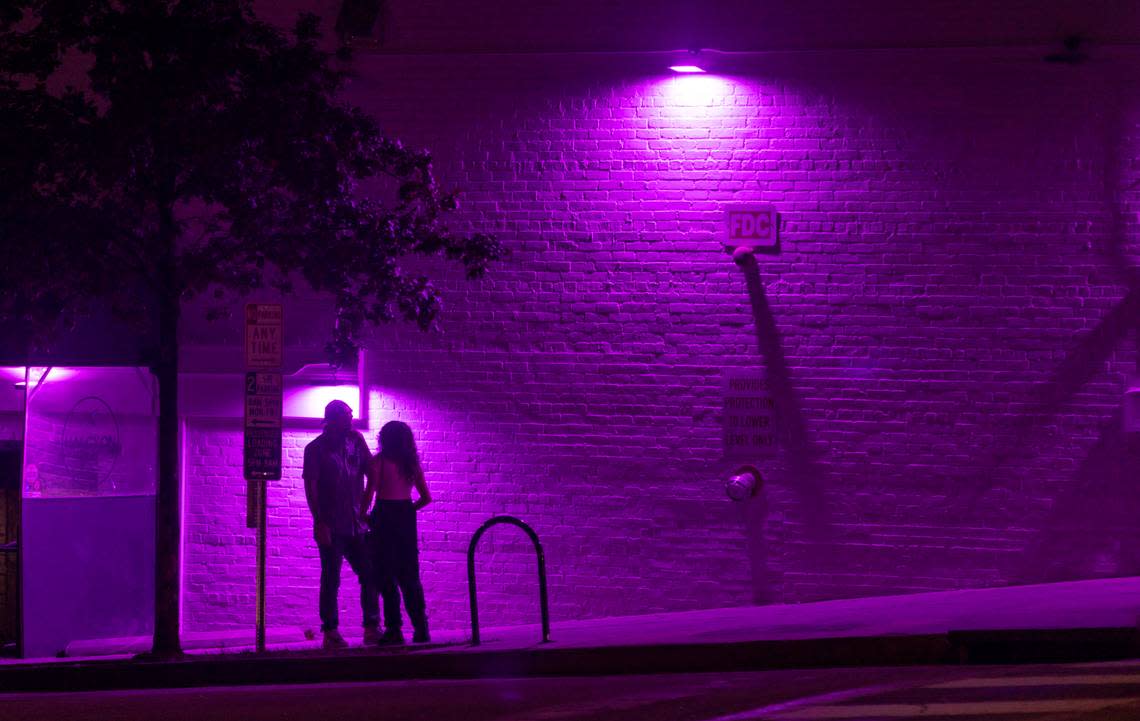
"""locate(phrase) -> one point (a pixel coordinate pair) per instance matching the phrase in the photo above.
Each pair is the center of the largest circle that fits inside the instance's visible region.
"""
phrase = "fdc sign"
(754, 227)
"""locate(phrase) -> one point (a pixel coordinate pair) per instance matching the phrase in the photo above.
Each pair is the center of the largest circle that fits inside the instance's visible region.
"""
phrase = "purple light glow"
(36, 375)
(310, 401)
(695, 92)
(686, 69)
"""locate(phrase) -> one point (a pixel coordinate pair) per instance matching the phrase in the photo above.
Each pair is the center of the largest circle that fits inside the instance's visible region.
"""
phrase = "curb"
(1103, 644)
(546, 661)
(1064, 645)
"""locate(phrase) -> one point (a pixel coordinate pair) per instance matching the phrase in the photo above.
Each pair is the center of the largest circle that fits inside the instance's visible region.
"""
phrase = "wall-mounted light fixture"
(306, 392)
(689, 62)
(357, 20)
(314, 385)
(1072, 54)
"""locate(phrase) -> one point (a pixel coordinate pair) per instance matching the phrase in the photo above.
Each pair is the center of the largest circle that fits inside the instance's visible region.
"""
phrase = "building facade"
(945, 331)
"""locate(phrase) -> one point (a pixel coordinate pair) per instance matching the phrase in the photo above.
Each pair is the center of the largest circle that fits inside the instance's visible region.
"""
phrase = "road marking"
(1129, 666)
(606, 704)
(1107, 679)
(979, 708)
(764, 712)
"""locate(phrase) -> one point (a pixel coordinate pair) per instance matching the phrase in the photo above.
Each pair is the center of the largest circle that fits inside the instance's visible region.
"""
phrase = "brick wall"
(948, 318)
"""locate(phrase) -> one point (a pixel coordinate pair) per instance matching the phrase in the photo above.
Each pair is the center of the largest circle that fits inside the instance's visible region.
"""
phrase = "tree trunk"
(168, 515)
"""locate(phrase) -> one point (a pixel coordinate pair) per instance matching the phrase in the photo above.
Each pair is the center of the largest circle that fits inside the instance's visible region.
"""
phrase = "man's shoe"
(391, 637)
(333, 640)
(371, 636)
(421, 635)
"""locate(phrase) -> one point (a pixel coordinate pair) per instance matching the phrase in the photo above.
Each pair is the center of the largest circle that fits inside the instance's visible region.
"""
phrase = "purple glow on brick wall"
(685, 94)
(310, 401)
(36, 374)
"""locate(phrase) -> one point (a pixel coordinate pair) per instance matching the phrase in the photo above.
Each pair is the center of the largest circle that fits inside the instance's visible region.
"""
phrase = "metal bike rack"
(541, 575)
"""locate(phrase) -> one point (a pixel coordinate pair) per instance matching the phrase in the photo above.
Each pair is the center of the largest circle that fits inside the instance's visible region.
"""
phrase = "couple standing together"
(380, 545)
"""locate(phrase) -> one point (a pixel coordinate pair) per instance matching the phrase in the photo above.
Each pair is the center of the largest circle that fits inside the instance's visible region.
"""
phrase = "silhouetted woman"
(392, 474)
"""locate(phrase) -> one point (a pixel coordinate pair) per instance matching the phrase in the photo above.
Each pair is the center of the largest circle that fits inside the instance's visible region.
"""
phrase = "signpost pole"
(261, 561)
(262, 462)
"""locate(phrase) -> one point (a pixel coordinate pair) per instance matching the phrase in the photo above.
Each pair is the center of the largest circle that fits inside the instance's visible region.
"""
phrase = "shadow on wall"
(1094, 349)
(765, 582)
(802, 454)
(1092, 530)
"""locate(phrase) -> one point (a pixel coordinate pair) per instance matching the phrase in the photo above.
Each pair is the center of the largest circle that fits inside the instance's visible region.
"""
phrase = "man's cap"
(337, 408)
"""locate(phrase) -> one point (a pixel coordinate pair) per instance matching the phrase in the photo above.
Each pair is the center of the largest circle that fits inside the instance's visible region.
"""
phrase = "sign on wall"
(755, 227)
(749, 414)
(263, 335)
(91, 444)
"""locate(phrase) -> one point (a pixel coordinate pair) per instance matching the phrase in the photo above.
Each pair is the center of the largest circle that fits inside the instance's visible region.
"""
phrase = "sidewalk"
(1086, 620)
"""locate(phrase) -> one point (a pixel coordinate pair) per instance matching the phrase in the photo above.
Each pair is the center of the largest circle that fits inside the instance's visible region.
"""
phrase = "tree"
(160, 149)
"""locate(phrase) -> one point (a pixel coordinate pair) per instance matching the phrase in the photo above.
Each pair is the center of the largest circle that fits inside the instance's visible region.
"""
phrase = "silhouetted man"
(335, 462)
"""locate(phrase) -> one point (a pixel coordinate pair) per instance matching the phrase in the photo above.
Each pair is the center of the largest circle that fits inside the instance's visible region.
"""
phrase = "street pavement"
(1083, 692)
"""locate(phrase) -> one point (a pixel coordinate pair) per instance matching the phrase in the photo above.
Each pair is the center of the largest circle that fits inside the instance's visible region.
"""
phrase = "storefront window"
(90, 432)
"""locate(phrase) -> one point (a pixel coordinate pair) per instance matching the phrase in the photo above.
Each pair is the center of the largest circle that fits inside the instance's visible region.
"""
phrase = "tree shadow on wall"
(1093, 350)
(1084, 361)
(1093, 529)
(803, 456)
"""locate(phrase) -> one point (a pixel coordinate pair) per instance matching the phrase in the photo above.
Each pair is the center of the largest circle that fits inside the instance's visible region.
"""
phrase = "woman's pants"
(397, 563)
